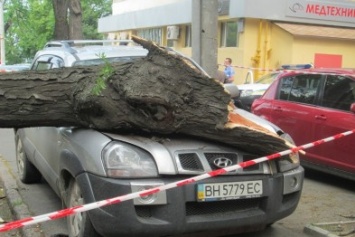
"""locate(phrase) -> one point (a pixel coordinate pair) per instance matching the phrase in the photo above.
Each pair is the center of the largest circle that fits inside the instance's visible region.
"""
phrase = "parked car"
(311, 105)
(85, 165)
(14, 68)
(250, 90)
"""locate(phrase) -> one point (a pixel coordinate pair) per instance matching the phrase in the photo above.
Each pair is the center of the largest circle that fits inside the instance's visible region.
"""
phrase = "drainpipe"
(267, 46)
(256, 58)
(266, 31)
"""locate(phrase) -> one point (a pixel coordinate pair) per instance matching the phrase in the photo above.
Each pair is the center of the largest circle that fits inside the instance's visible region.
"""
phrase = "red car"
(310, 105)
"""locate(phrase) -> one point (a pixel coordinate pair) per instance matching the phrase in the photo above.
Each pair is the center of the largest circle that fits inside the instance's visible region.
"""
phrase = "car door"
(46, 139)
(333, 117)
(294, 106)
(42, 145)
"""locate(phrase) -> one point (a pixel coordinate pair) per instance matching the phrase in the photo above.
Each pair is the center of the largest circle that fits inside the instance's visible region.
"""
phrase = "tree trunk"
(158, 94)
(75, 20)
(61, 27)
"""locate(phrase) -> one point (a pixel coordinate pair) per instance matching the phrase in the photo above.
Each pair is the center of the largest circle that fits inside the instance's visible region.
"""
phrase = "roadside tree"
(29, 24)
(161, 93)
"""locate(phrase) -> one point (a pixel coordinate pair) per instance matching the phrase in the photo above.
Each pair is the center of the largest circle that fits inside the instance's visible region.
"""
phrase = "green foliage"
(31, 25)
(105, 73)
(93, 10)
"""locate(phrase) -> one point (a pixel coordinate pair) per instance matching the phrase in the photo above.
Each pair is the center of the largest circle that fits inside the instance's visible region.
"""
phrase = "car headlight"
(125, 160)
(288, 162)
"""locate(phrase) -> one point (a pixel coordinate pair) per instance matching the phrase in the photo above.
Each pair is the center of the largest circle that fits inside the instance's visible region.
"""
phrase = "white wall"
(137, 5)
(136, 14)
(322, 12)
(172, 12)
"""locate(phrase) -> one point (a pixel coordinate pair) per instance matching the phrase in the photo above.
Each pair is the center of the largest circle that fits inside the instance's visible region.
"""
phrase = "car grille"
(211, 209)
(198, 162)
(222, 207)
(144, 211)
(211, 156)
(253, 167)
(190, 161)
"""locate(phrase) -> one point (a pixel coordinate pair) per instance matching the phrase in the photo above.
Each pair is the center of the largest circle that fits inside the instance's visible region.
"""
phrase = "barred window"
(153, 34)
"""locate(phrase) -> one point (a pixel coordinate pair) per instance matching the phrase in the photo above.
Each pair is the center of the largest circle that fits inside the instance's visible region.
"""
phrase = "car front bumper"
(183, 214)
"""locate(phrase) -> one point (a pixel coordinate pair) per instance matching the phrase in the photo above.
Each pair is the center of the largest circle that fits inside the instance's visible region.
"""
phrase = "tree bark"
(160, 93)
(75, 20)
(61, 27)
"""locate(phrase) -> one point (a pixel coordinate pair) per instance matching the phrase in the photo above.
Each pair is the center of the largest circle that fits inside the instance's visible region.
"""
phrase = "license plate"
(233, 190)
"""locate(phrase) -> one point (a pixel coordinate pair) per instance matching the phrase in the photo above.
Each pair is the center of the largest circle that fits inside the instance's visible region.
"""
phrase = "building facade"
(258, 35)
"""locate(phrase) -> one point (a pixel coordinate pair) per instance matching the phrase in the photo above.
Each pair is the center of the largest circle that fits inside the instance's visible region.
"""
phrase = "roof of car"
(74, 51)
(90, 47)
(77, 50)
(344, 71)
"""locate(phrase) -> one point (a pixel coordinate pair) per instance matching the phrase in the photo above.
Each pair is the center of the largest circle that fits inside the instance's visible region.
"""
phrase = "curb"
(18, 207)
(321, 229)
(317, 232)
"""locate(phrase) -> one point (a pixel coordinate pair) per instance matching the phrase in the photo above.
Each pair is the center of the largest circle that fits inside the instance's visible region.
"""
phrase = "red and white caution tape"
(116, 200)
(253, 68)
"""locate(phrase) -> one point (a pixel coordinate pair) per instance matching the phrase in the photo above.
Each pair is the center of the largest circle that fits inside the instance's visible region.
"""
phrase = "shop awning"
(318, 31)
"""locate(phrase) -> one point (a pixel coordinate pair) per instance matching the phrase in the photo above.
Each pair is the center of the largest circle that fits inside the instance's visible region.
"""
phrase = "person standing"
(228, 70)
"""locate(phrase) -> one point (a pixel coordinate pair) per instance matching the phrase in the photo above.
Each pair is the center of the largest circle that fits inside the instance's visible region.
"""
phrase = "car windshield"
(98, 61)
(268, 78)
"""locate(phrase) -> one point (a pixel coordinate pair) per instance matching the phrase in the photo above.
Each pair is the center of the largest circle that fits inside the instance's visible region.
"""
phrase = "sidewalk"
(6, 214)
(12, 207)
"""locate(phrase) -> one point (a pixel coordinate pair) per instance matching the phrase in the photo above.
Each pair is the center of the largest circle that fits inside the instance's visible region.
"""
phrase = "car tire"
(28, 173)
(79, 224)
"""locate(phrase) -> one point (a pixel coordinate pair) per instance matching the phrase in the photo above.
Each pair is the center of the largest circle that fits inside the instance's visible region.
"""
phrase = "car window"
(268, 78)
(300, 88)
(46, 62)
(339, 92)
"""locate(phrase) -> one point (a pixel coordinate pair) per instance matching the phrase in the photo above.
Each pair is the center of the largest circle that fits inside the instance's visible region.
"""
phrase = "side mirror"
(352, 107)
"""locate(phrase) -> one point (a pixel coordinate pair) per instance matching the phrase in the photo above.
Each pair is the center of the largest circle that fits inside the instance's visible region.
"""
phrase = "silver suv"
(85, 166)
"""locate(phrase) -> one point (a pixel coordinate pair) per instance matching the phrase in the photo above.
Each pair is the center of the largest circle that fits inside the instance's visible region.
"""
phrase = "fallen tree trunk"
(161, 93)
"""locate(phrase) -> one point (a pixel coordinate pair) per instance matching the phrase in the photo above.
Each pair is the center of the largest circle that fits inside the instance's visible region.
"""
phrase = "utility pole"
(204, 34)
(2, 34)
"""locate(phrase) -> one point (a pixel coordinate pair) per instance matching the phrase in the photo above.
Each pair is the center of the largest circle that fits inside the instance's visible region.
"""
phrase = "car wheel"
(79, 224)
(27, 171)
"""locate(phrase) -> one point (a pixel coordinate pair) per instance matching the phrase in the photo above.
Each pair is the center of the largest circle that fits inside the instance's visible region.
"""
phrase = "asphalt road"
(325, 198)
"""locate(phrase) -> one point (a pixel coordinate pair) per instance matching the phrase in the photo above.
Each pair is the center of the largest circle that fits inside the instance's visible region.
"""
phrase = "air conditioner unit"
(172, 32)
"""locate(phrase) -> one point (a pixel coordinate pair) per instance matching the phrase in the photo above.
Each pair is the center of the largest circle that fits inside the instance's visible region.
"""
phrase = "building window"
(229, 34)
(153, 34)
(188, 36)
(170, 43)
